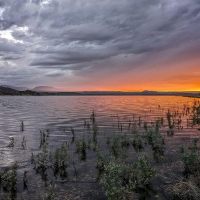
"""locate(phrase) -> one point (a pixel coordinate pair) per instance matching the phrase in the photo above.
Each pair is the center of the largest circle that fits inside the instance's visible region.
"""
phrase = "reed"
(23, 143)
(22, 126)
(81, 147)
(170, 123)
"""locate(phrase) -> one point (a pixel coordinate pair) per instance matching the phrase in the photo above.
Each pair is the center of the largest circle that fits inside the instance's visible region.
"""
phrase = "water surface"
(60, 114)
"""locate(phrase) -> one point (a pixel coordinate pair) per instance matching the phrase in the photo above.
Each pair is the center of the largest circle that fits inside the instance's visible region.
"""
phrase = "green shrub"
(137, 142)
(156, 140)
(60, 161)
(112, 181)
(195, 115)
(124, 141)
(139, 173)
(8, 179)
(41, 160)
(120, 181)
(191, 157)
(117, 146)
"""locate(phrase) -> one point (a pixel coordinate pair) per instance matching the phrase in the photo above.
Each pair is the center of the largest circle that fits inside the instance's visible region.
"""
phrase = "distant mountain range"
(46, 90)
(145, 92)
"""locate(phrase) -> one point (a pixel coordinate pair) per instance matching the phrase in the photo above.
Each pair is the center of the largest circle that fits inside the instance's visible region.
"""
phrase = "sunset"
(100, 100)
(100, 45)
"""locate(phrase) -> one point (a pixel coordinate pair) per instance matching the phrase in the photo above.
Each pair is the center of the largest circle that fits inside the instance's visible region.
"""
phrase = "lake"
(55, 120)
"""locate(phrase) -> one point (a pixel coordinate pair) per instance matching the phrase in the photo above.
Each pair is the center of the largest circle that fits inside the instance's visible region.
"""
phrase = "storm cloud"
(61, 40)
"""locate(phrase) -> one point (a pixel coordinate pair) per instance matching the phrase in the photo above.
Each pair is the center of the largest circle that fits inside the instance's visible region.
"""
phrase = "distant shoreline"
(75, 94)
(12, 92)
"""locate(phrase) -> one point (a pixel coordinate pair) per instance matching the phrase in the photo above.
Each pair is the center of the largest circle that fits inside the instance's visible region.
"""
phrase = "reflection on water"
(59, 113)
(61, 117)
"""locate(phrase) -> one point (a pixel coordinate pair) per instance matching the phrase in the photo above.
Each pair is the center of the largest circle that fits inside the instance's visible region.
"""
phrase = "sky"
(90, 45)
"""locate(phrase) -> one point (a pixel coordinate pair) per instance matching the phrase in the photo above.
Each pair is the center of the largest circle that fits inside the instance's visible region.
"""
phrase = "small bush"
(112, 181)
(8, 179)
(137, 142)
(191, 157)
(156, 140)
(81, 147)
(122, 180)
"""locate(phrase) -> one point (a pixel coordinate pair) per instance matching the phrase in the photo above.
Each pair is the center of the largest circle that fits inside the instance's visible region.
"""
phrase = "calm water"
(62, 113)
(59, 114)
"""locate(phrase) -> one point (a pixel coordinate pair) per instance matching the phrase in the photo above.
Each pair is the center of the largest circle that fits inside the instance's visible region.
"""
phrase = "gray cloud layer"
(66, 38)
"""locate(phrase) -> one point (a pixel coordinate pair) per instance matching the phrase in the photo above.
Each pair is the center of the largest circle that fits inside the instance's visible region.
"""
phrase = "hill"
(9, 91)
(15, 88)
(44, 89)
(12, 92)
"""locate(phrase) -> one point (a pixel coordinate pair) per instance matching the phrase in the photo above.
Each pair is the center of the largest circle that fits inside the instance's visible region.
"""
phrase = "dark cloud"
(83, 35)
(5, 24)
(2, 3)
(10, 47)
(11, 57)
(55, 75)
